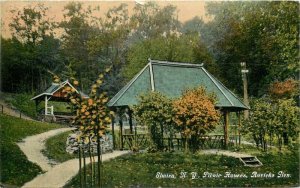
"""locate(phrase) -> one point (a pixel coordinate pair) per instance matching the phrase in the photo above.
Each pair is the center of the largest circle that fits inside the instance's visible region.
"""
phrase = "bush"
(155, 110)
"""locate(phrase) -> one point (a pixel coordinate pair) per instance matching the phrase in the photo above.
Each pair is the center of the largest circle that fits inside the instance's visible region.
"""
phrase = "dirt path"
(59, 174)
(225, 152)
(9, 111)
(33, 145)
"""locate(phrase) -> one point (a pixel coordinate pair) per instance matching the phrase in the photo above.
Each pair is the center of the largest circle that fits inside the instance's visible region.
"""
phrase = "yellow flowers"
(108, 69)
(68, 88)
(73, 101)
(99, 82)
(75, 82)
(107, 119)
(104, 100)
(90, 102)
(56, 79)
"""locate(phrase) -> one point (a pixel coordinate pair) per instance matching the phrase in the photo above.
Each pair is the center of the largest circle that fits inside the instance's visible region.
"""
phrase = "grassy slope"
(23, 103)
(15, 168)
(56, 148)
(140, 170)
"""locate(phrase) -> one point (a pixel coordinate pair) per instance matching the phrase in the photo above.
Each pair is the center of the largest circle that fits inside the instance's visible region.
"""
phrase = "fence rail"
(176, 143)
(18, 113)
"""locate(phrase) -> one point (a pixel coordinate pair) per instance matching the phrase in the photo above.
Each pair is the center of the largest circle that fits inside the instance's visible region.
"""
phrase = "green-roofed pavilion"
(172, 79)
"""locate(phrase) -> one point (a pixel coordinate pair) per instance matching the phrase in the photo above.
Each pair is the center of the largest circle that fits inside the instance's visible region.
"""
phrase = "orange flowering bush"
(195, 113)
(285, 89)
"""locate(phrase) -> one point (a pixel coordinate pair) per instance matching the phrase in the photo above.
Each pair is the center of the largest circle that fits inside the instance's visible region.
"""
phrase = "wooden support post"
(121, 132)
(113, 132)
(46, 105)
(239, 126)
(226, 123)
(130, 121)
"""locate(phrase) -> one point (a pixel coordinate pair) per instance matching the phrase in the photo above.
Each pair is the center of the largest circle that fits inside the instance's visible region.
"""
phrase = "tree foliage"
(273, 120)
(185, 48)
(155, 111)
(151, 21)
(263, 34)
(32, 51)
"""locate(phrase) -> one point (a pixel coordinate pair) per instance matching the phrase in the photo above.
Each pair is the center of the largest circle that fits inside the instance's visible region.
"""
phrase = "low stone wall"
(73, 145)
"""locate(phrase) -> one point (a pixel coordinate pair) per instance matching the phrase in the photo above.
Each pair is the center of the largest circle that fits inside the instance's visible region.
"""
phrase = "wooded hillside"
(265, 35)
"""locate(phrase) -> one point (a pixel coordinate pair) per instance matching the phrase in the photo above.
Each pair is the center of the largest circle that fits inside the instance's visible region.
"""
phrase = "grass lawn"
(56, 148)
(141, 170)
(15, 168)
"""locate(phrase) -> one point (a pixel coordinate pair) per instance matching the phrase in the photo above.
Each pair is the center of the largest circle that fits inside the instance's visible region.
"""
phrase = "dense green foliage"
(31, 52)
(15, 168)
(155, 111)
(56, 148)
(265, 35)
(186, 48)
(141, 169)
(273, 120)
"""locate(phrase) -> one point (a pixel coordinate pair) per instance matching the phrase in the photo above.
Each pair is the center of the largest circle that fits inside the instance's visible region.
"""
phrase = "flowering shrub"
(286, 89)
(195, 114)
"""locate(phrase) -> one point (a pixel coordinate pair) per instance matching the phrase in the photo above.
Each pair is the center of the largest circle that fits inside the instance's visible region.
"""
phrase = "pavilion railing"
(141, 141)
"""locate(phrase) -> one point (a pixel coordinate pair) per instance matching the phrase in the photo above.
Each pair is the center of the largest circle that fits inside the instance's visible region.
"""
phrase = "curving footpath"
(60, 174)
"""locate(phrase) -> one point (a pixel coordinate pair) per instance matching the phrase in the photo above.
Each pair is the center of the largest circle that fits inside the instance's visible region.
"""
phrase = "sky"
(186, 9)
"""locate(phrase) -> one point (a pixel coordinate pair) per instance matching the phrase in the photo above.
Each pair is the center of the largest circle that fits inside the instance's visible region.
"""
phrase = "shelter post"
(113, 131)
(239, 126)
(46, 104)
(121, 132)
(226, 123)
(130, 120)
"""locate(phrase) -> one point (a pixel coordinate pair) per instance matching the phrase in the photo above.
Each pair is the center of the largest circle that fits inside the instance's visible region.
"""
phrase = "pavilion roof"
(171, 79)
(55, 87)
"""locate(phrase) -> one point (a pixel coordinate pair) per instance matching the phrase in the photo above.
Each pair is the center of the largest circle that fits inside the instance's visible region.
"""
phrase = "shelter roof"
(171, 79)
(53, 90)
